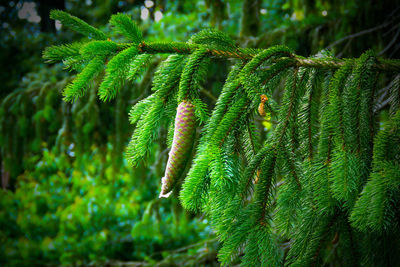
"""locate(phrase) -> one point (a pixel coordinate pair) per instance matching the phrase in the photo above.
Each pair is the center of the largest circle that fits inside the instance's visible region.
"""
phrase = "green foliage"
(213, 38)
(142, 140)
(33, 118)
(375, 209)
(77, 25)
(67, 213)
(138, 66)
(57, 53)
(117, 67)
(192, 74)
(125, 26)
(165, 83)
(78, 87)
(395, 94)
(98, 48)
(302, 186)
(59, 211)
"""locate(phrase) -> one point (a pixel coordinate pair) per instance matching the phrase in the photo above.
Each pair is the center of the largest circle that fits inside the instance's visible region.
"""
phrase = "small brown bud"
(261, 109)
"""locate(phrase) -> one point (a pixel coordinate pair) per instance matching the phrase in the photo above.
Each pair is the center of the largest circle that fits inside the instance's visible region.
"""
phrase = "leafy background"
(69, 196)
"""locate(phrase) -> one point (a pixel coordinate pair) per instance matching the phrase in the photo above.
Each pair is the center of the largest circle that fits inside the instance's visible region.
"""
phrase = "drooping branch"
(247, 54)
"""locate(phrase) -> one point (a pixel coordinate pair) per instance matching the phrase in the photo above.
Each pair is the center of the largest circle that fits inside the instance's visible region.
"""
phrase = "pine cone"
(185, 125)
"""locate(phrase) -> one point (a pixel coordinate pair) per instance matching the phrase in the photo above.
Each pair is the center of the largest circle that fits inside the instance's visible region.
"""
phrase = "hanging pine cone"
(181, 145)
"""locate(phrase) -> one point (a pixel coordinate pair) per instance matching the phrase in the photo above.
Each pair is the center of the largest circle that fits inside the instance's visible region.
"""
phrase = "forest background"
(69, 196)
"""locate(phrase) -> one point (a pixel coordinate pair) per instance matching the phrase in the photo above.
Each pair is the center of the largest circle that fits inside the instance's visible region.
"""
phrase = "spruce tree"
(326, 177)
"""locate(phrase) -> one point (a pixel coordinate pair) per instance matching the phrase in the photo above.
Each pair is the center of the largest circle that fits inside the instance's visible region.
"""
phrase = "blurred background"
(68, 195)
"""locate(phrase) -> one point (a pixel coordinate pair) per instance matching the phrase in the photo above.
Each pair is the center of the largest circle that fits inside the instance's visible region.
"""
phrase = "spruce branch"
(389, 65)
(351, 162)
(142, 139)
(250, 170)
(308, 116)
(116, 71)
(77, 88)
(139, 109)
(77, 25)
(189, 81)
(334, 115)
(57, 53)
(194, 190)
(394, 97)
(125, 26)
(164, 84)
(213, 38)
(287, 111)
(374, 210)
(167, 76)
(319, 152)
(98, 48)
(138, 66)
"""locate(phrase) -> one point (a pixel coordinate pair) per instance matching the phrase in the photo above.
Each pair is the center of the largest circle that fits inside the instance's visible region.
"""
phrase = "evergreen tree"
(326, 177)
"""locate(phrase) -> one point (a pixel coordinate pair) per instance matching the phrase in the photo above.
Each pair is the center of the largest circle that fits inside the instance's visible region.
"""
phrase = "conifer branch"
(390, 65)
(57, 53)
(126, 27)
(77, 25)
(78, 87)
(188, 78)
(116, 71)
(321, 151)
